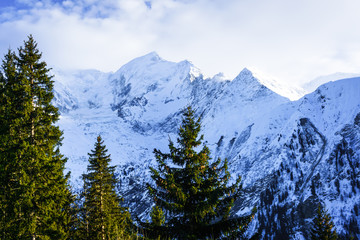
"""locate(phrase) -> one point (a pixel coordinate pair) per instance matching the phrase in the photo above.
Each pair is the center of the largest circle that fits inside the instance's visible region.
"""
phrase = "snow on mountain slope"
(149, 89)
(283, 89)
(242, 101)
(315, 83)
(268, 139)
(141, 103)
(332, 104)
(316, 163)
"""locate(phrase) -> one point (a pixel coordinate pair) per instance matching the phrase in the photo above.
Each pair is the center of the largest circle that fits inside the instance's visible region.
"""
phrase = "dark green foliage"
(102, 216)
(35, 198)
(322, 226)
(157, 216)
(192, 192)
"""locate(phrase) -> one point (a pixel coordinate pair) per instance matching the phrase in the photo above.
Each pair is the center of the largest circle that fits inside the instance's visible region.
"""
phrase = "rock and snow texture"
(290, 154)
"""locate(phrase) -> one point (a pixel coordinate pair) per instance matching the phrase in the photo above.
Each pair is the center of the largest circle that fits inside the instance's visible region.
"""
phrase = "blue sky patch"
(148, 4)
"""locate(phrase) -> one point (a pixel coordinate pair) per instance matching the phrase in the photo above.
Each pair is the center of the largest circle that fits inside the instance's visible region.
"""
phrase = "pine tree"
(36, 197)
(103, 217)
(9, 186)
(157, 216)
(192, 192)
(322, 226)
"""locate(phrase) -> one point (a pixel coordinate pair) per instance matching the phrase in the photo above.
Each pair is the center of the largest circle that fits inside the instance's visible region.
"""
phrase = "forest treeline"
(191, 194)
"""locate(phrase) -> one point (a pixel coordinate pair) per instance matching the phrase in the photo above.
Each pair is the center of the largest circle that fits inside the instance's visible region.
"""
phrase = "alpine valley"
(290, 154)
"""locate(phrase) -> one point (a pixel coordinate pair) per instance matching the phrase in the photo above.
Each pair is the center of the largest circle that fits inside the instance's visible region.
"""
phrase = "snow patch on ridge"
(292, 92)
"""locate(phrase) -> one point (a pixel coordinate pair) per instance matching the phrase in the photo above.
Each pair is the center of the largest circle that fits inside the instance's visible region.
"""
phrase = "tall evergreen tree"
(103, 217)
(35, 194)
(9, 186)
(193, 193)
(322, 226)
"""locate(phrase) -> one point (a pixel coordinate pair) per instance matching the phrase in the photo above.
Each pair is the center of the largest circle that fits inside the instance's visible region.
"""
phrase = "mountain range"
(292, 150)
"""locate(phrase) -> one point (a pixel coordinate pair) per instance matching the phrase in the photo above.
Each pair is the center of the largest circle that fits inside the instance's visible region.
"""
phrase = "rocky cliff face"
(290, 154)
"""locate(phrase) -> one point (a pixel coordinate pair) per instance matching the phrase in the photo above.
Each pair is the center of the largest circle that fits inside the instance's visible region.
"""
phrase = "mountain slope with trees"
(291, 154)
(192, 191)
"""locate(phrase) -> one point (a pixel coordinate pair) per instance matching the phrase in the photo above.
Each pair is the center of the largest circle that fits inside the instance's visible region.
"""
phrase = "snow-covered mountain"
(315, 83)
(290, 154)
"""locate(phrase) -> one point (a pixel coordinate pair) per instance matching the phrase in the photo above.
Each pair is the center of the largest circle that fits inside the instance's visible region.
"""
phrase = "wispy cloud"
(292, 40)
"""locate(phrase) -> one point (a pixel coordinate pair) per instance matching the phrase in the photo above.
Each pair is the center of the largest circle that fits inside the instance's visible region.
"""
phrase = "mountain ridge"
(267, 138)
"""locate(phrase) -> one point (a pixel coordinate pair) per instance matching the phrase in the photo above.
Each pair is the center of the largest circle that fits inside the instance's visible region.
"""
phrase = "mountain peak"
(246, 77)
(250, 85)
(151, 57)
(154, 56)
(140, 63)
(250, 79)
(245, 71)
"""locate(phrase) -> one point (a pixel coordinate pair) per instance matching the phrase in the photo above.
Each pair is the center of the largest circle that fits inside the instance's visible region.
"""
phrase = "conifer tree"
(103, 217)
(8, 185)
(157, 216)
(35, 195)
(322, 226)
(192, 192)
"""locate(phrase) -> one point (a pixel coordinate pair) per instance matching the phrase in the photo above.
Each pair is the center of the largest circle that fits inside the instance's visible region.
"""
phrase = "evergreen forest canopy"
(191, 193)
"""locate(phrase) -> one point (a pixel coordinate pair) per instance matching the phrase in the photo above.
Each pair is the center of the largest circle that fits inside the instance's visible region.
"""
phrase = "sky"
(289, 40)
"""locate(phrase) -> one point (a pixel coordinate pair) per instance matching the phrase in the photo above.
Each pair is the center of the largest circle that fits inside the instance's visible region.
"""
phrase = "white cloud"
(292, 40)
